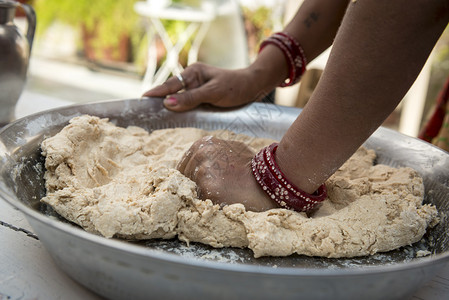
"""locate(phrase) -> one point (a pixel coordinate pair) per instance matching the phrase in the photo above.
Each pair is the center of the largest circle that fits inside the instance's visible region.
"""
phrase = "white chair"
(215, 28)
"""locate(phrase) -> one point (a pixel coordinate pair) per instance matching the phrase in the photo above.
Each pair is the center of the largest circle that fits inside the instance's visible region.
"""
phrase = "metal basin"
(169, 269)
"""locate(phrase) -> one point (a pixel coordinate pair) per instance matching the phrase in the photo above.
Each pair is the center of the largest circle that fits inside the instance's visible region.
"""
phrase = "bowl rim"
(146, 252)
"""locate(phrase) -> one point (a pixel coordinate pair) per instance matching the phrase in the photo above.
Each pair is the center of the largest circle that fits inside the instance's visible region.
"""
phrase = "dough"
(123, 183)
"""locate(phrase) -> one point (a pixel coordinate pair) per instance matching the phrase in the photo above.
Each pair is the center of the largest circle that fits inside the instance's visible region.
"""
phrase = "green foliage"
(259, 25)
(110, 19)
(261, 20)
(439, 72)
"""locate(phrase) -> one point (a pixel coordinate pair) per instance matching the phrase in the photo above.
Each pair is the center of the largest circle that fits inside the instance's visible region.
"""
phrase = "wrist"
(293, 54)
(278, 187)
(297, 170)
(258, 200)
(270, 68)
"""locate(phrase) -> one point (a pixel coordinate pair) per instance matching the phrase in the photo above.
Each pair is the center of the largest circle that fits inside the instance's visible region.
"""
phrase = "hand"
(207, 84)
(222, 171)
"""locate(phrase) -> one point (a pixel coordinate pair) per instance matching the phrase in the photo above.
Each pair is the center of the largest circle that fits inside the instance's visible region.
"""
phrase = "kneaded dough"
(123, 183)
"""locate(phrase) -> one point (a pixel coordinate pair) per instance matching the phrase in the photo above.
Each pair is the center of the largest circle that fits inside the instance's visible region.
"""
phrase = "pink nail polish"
(170, 101)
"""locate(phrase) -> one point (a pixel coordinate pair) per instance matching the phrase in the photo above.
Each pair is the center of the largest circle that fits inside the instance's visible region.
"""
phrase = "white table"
(28, 272)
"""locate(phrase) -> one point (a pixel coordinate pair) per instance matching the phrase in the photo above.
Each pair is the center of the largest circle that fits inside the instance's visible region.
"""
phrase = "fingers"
(186, 90)
(192, 77)
(186, 158)
(188, 100)
(222, 172)
(171, 86)
(213, 152)
(185, 164)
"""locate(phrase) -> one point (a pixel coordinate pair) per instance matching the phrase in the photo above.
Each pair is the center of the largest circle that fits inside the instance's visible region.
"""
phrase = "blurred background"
(99, 50)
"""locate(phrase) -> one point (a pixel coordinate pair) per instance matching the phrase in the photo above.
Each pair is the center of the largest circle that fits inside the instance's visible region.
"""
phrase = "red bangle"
(301, 61)
(293, 52)
(280, 189)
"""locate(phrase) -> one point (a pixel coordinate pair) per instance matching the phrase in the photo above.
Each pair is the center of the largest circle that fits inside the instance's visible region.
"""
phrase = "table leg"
(147, 82)
(171, 63)
(194, 49)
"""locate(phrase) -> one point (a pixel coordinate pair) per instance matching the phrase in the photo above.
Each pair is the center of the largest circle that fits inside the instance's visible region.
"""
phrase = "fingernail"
(170, 101)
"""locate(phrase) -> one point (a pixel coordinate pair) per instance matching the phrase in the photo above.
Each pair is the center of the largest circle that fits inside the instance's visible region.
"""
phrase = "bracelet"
(280, 189)
(293, 52)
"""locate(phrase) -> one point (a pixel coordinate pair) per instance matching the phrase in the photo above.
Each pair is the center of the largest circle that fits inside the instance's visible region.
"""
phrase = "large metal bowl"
(169, 269)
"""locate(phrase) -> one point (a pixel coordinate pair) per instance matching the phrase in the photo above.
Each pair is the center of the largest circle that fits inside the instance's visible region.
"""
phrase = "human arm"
(378, 52)
(314, 26)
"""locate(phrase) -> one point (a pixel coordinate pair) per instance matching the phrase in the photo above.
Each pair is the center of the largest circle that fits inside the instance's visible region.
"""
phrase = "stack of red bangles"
(280, 189)
(293, 52)
(264, 167)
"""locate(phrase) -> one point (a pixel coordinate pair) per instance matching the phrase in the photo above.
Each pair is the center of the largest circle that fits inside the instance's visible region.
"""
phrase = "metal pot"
(159, 269)
(15, 51)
